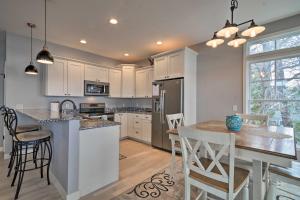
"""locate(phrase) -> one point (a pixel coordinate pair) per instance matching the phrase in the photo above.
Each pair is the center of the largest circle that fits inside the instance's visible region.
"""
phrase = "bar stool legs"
(44, 156)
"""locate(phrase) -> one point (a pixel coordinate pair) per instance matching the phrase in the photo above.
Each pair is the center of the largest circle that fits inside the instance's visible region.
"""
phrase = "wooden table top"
(279, 141)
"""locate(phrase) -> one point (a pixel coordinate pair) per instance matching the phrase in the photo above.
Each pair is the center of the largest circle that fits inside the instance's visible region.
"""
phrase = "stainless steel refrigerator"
(167, 98)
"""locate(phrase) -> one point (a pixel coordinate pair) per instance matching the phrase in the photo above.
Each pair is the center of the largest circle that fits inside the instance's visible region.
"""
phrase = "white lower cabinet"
(139, 127)
(122, 118)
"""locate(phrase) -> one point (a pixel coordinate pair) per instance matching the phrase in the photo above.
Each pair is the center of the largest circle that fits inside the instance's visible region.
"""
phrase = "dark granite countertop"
(135, 112)
(96, 123)
(44, 115)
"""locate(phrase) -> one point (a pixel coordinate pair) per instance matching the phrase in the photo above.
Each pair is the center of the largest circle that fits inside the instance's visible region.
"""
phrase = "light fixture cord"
(45, 44)
(234, 5)
(31, 44)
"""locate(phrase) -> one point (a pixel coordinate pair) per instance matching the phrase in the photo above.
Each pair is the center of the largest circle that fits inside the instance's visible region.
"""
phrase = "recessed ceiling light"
(159, 42)
(126, 54)
(113, 21)
(83, 41)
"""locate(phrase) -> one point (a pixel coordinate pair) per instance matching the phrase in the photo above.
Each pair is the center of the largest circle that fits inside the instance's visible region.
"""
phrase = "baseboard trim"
(61, 190)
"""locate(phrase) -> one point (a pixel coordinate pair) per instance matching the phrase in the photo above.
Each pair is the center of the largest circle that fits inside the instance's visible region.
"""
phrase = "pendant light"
(31, 69)
(253, 30)
(231, 28)
(215, 41)
(228, 30)
(44, 56)
(236, 41)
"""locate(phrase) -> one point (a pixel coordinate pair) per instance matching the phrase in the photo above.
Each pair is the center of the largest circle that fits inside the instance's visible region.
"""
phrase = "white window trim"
(277, 54)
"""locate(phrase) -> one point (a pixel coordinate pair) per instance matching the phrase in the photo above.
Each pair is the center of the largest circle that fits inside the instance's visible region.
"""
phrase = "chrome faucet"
(64, 101)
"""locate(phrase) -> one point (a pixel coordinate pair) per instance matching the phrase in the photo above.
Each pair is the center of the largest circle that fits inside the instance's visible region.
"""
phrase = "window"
(273, 79)
(281, 42)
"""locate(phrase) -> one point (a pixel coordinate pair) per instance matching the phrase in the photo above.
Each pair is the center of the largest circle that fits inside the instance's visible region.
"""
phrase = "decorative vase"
(234, 123)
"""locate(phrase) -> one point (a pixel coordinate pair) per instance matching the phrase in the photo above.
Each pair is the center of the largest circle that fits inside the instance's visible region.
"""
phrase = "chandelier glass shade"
(253, 30)
(237, 41)
(228, 30)
(215, 41)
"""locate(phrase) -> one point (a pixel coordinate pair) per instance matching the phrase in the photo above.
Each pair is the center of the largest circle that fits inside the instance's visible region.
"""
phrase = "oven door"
(92, 88)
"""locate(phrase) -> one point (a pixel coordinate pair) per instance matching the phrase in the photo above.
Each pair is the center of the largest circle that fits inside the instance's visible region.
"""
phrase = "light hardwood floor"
(142, 161)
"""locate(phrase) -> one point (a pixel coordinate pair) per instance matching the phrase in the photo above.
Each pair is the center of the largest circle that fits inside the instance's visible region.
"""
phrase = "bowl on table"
(234, 123)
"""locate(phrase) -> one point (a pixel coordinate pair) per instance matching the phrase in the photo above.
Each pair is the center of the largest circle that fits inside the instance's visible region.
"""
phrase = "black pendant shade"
(31, 69)
(44, 56)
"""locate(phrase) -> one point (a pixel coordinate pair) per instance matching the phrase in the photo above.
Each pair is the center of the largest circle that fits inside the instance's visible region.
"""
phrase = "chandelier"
(231, 29)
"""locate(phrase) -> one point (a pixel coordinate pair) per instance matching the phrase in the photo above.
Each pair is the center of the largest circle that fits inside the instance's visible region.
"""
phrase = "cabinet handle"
(136, 122)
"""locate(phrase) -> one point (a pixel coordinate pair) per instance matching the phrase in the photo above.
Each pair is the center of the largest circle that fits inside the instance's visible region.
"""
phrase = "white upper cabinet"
(169, 65)
(56, 78)
(94, 73)
(75, 79)
(149, 82)
(161, 67)
(64, 78)
(144, 80)
(115, 77)
(141, 84)
(128, 81)
(176, 64)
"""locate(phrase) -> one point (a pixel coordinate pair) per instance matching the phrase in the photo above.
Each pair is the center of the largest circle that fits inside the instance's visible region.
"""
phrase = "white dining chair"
(262, 120)
(207, 172)
(284, 182)
(174, 121)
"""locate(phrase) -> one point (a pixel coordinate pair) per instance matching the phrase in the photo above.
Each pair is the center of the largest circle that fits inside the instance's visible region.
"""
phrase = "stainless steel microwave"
(93, 88)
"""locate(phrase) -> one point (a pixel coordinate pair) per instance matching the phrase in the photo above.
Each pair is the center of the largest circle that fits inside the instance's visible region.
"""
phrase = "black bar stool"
(20, 129)
(37, 141)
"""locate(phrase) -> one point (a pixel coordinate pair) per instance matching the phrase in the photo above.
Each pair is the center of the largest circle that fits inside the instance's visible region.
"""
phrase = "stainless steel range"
(95, 111)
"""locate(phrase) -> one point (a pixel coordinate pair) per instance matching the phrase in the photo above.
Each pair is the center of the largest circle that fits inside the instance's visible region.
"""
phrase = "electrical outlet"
(234, 108)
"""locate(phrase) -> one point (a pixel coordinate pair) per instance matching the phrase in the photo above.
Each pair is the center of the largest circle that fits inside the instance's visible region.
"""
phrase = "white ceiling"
(177, 23)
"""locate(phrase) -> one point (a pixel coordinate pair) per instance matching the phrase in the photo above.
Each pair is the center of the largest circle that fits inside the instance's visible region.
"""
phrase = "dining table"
(257, 144)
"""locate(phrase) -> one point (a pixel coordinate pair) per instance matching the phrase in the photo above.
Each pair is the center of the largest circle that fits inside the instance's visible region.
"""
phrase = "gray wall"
(220, 75)
(27, 90)
(2, 61)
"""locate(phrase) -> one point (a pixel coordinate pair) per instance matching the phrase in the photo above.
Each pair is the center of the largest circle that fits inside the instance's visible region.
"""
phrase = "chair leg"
(187, 190)
(22, 168)
(12, 159)
(173, 161)
(271, 190)
(42, 160)
(18, 161)
(35, 152)
(49, 147)
(246, 191)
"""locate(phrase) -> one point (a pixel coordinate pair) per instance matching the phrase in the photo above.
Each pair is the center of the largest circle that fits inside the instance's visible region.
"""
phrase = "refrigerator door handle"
(160, 110)
(163, 106)
(181, 96)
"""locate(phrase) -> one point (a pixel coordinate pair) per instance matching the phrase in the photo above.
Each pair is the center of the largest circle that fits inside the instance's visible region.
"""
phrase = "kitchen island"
(85, 152)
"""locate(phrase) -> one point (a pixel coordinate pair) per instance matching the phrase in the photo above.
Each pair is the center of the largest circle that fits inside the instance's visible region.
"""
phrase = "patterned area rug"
(121, 157)
(160, 186)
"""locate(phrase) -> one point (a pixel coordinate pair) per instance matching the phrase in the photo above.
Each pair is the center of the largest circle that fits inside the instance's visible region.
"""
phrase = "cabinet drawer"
(147, 117)
(137, 123)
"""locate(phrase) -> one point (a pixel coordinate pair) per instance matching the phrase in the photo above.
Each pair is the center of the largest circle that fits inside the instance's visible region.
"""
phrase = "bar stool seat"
(27, 128)
(32, 136)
